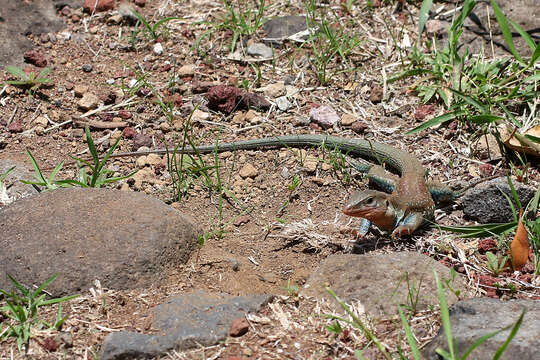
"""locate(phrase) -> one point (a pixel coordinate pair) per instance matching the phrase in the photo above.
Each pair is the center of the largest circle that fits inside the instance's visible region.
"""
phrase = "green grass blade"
(470, 100)
(408, 73)
(21, 288)
(44, 285)
(6, 174)
(513, 333)
(55, 172)
(436, 121)
(484, 230)
(484, 118)
(58, 300)
(507, 34)
(410, 337)
(525, 35)
(423, 16)
(445, 315)
(38, 174)
(535, 56)
(535, 77)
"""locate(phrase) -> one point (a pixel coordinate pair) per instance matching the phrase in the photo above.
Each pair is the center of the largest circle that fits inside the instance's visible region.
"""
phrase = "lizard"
(406, 207)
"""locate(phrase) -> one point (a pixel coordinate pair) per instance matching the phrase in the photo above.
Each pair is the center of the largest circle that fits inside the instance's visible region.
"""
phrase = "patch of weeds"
(99, 177)
(450, 354)
(240, 20)
(475, 90)
(329, 42)
(31, 82)
(152, 32)
(22, 310)
(495, 263)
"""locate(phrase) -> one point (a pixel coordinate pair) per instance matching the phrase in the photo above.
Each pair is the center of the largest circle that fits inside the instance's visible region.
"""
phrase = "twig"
(13, 115)
(57, 126)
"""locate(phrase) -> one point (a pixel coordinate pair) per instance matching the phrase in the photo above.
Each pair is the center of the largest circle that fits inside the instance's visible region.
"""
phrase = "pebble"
(158, 49)
(348, 119)
(259, 50)
(283, 103)
(87, 68)
(88, 101)
(80, 89)
(248, 171)
(274, 90)
(187, 70)
(325, 116)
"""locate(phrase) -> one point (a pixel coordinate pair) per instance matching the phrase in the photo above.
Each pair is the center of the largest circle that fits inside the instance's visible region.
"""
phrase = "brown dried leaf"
(519, 249)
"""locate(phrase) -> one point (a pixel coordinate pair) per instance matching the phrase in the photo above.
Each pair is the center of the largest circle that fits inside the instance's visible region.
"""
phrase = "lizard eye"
(370, 201)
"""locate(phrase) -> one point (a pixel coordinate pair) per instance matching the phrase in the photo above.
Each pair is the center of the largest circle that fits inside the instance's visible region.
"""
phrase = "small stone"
(89, 101)
(65, 338)
(165, 126)
(241, 220)
(16, 127)
(325, 116)
(348, 119)
(129, 133)
(158, 49)
(311, 165)
(283, 103)
(376, 94)
(199, 115)
(301, 121)
(260, 50)
(41, 120)
(238, 327)
(115, 19)
(91, 6)
(153, 159)
(423, 111)
(141, 161)
(80, 89)
(248, 171)
(39, 130)
(142, 140)
(187, 70)
(359, 127)
(274, 90)
(35, 58)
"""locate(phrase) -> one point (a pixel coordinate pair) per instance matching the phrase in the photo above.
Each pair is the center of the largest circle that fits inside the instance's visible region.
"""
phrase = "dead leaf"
(514, 143)
(519, 249)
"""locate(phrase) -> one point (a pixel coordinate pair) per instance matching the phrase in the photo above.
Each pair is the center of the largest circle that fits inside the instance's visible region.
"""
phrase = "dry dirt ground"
(254, 253)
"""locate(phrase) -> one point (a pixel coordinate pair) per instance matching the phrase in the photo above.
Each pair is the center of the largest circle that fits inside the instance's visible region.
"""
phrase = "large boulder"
(124, 239)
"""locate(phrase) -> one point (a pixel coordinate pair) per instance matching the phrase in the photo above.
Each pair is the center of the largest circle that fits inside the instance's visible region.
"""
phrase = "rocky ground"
(278, 222)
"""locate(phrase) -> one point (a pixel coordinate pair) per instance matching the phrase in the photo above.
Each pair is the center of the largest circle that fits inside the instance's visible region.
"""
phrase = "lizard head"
(374, 206)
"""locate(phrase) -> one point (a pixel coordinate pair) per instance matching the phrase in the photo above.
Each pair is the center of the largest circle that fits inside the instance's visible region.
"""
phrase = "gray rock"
(260, 50)
(325, 116)
(20, 18)
(280, 28)
(474, 318)
(380, 281)
(476, 30)
(16, 189)
(187, 321)
(124, 239)
(486, 204)
(283, 103)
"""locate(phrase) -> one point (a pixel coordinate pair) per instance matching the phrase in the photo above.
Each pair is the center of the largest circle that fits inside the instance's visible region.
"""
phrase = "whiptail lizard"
(403, 210)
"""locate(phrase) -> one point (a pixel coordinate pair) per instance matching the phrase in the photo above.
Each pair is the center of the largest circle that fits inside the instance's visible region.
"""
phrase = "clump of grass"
(329, 42)
(450, 354)
(99, 177)
(22, 309)
(477, 91)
